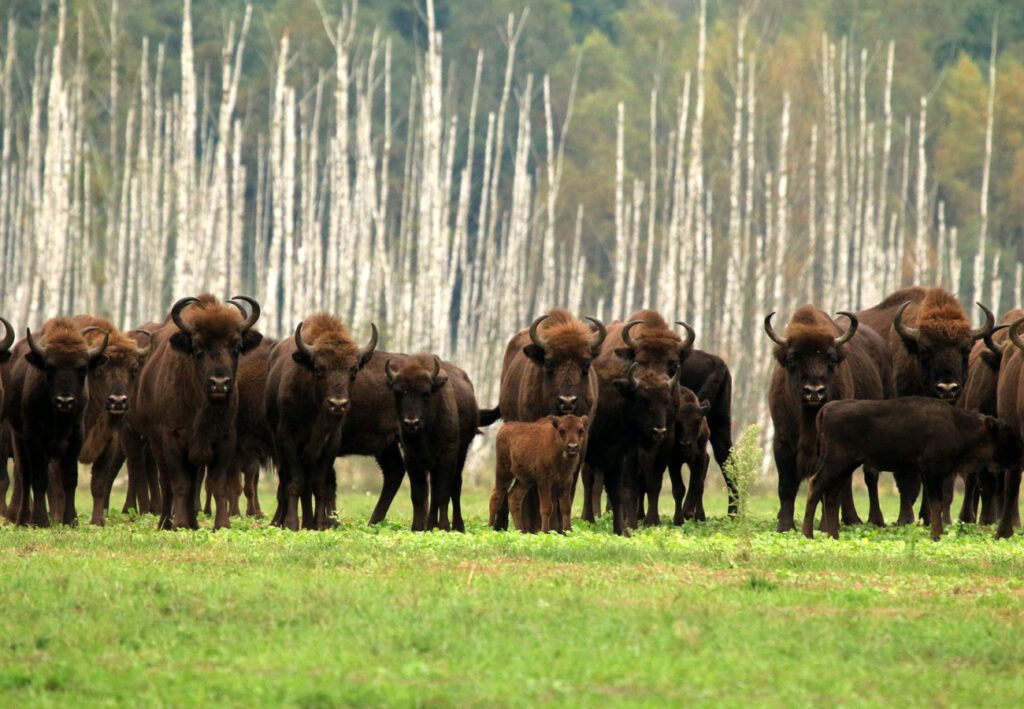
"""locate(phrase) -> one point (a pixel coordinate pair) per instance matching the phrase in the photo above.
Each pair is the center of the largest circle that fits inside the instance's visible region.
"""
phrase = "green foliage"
(744, 466)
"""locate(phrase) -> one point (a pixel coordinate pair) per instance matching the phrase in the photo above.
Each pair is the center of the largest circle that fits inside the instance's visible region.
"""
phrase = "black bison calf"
(690, 448)
(543, 455)
(910, 435)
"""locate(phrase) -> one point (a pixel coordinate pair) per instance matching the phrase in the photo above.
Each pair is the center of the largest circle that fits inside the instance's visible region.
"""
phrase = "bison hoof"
(784, 526)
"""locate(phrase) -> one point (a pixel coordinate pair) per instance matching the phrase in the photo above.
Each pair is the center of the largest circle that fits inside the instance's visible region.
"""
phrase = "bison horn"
(600, 333)
(390, 371)
(631, 375)
(301, 344)
(534, 337)
(437, 368)
(771, 330)
(372, 344)
(691, 336)
(1015, 333)
(8, 336)
(997, 349)
(907, 333)
(98, 350)
(176, 313)
(848, 335)
(626, 337)
(34, 346)
(254, 311)
(144, 351)
(986, 329)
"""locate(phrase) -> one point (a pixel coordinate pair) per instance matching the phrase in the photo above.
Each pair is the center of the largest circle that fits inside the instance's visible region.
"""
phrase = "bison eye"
(318, 370)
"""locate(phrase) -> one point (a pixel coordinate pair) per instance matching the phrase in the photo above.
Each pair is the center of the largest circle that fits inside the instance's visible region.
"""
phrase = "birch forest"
(450, 170)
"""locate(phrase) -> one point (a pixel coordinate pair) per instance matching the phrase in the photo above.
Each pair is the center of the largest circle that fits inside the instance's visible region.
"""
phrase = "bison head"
(1005, 442)
(5, 344)
(214, 337)
(572, 433)
(334, 361)
(690, 422)
(413, 385)
(112, 383)
(65, 360)
(941, 343)
(811, 353)
(565, 351)
(648, 396)
(656, 347)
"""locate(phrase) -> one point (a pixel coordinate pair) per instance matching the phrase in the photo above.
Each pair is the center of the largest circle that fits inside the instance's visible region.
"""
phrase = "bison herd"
(906, 387)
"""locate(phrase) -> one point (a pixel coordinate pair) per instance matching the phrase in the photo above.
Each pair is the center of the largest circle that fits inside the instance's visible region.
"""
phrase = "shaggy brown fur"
(657, 343)
(543, 455)
(566, 337)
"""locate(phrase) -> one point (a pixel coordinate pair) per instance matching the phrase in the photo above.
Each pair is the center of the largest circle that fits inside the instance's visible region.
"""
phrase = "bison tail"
(489, 416)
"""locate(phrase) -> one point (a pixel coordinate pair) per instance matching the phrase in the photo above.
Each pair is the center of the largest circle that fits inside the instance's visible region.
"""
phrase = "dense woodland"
(699, 156)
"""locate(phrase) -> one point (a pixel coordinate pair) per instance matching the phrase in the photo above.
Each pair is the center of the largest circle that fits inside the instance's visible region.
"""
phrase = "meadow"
(724, 611)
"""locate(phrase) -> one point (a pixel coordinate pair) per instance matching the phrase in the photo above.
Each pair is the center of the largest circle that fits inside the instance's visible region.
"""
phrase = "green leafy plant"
(744, 466)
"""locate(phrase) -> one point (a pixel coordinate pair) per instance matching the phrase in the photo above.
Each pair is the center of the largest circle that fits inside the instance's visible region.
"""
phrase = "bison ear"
(987, 356)
(705, 407)
(585, 419)
(535, 353)
(627, 354)
(4, 356)
(910, 344)
(624, 386)
(35, 360)
(182, 342)
(780, 355)
(97, 362)
(303, 360)
(439, 381)
(251, 340)
(553, 420)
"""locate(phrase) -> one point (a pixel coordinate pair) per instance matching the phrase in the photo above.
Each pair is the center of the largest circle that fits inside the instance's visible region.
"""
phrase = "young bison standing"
(543, 455)
(689, 447)
(909, 435)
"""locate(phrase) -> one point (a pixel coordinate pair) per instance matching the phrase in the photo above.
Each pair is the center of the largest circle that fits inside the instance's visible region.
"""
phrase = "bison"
(689, 442)
(5, 356)
(542, 456)
(438, 416)
(186, 402)
(45, 399)
(914, 435)
(307, 398)
(817, 362)
(1010, 407)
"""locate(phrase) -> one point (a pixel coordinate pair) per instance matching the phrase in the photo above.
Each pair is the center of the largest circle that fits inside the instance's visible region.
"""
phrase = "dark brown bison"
(186, 402)
(5, 445)
(109, 389)
(979, 394)
(542, 456)
(1010, 407)
(817, 361)
(307, 399)
(912, 435)
(437, 420)
(45, 399)
(143, 494)
(547, 370)
(689, 441)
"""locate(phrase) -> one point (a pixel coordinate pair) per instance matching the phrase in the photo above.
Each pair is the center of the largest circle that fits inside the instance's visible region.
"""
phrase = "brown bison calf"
(910, 435)
(543, 455)
(689, 447)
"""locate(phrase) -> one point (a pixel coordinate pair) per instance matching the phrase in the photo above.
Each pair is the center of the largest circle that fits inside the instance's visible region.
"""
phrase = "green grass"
(255, 616)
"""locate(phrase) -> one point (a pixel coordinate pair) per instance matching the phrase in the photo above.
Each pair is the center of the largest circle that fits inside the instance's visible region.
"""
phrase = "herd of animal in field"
(906, 386)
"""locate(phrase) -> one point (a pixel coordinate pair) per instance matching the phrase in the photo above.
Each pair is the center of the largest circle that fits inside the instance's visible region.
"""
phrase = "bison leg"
(515, 503)
(830, 517)
(251, 482)
(546, 505)
(612, 479)
(5, 484)
(815, 492)
(972, 493)
(933, 493)
(789, 483)
(393, 468)
(850, 516)
(721, 445)
(693, 507)
(100, 484)
(34, 465)
(654, 480)
(458, 524)
(909, 486)
(234, 490)
(948, 485)
(875, 515)
(675, 476)
(565, 505)
(592, 481)
(208, 504)
(1011, 493)
(420, 496)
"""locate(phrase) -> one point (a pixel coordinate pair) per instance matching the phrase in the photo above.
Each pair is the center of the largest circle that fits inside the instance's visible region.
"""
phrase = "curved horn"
(98, 350)
(1015, 334)
(372, 344)
(781, 342)
(986, 329)
(254, 311)
(626, 337)
(144, 351)
(850, 331)
(675, 377)
(301, 344)
(691, 336)
(631, 374)
(92, 328)
(176, 313)
(8, 336)
(390, 371)
(910, 333)
(437, 368)
(991, 344)
(534, 337)
(601, 332)
(34, 346)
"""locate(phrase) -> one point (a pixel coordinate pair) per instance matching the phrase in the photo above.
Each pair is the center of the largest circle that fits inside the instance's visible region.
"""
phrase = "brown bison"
(1010, 407)
(816, 361)
(547, 370)
(638, 370)
(5, 445)
(143, 494)
(46, 395)
(109, 390)
(544, 456)
(438, 416)
(912, 435)
(186, 402)
(307, 398)
(689, 443)
(979, 394)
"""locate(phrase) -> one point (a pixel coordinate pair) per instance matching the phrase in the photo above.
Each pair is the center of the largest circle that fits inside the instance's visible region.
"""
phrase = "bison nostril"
(658, 430)
(337, 404)
(411, 422)
(117, 402)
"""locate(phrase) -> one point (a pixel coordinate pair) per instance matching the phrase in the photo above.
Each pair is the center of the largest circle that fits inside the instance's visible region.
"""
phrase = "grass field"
(711, 613)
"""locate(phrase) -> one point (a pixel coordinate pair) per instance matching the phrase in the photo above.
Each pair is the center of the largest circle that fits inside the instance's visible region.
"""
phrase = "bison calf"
(689, 447)
(912, 436)
(543, 455)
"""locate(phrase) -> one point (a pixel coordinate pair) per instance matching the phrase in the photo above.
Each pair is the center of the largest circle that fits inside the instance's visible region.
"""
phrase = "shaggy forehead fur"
(121, 348)
(62, 340)
(417, 369)
(326, 332)
(941, 318)
(810, 329)
(211, 319)
(654, 338)
(565, 336)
